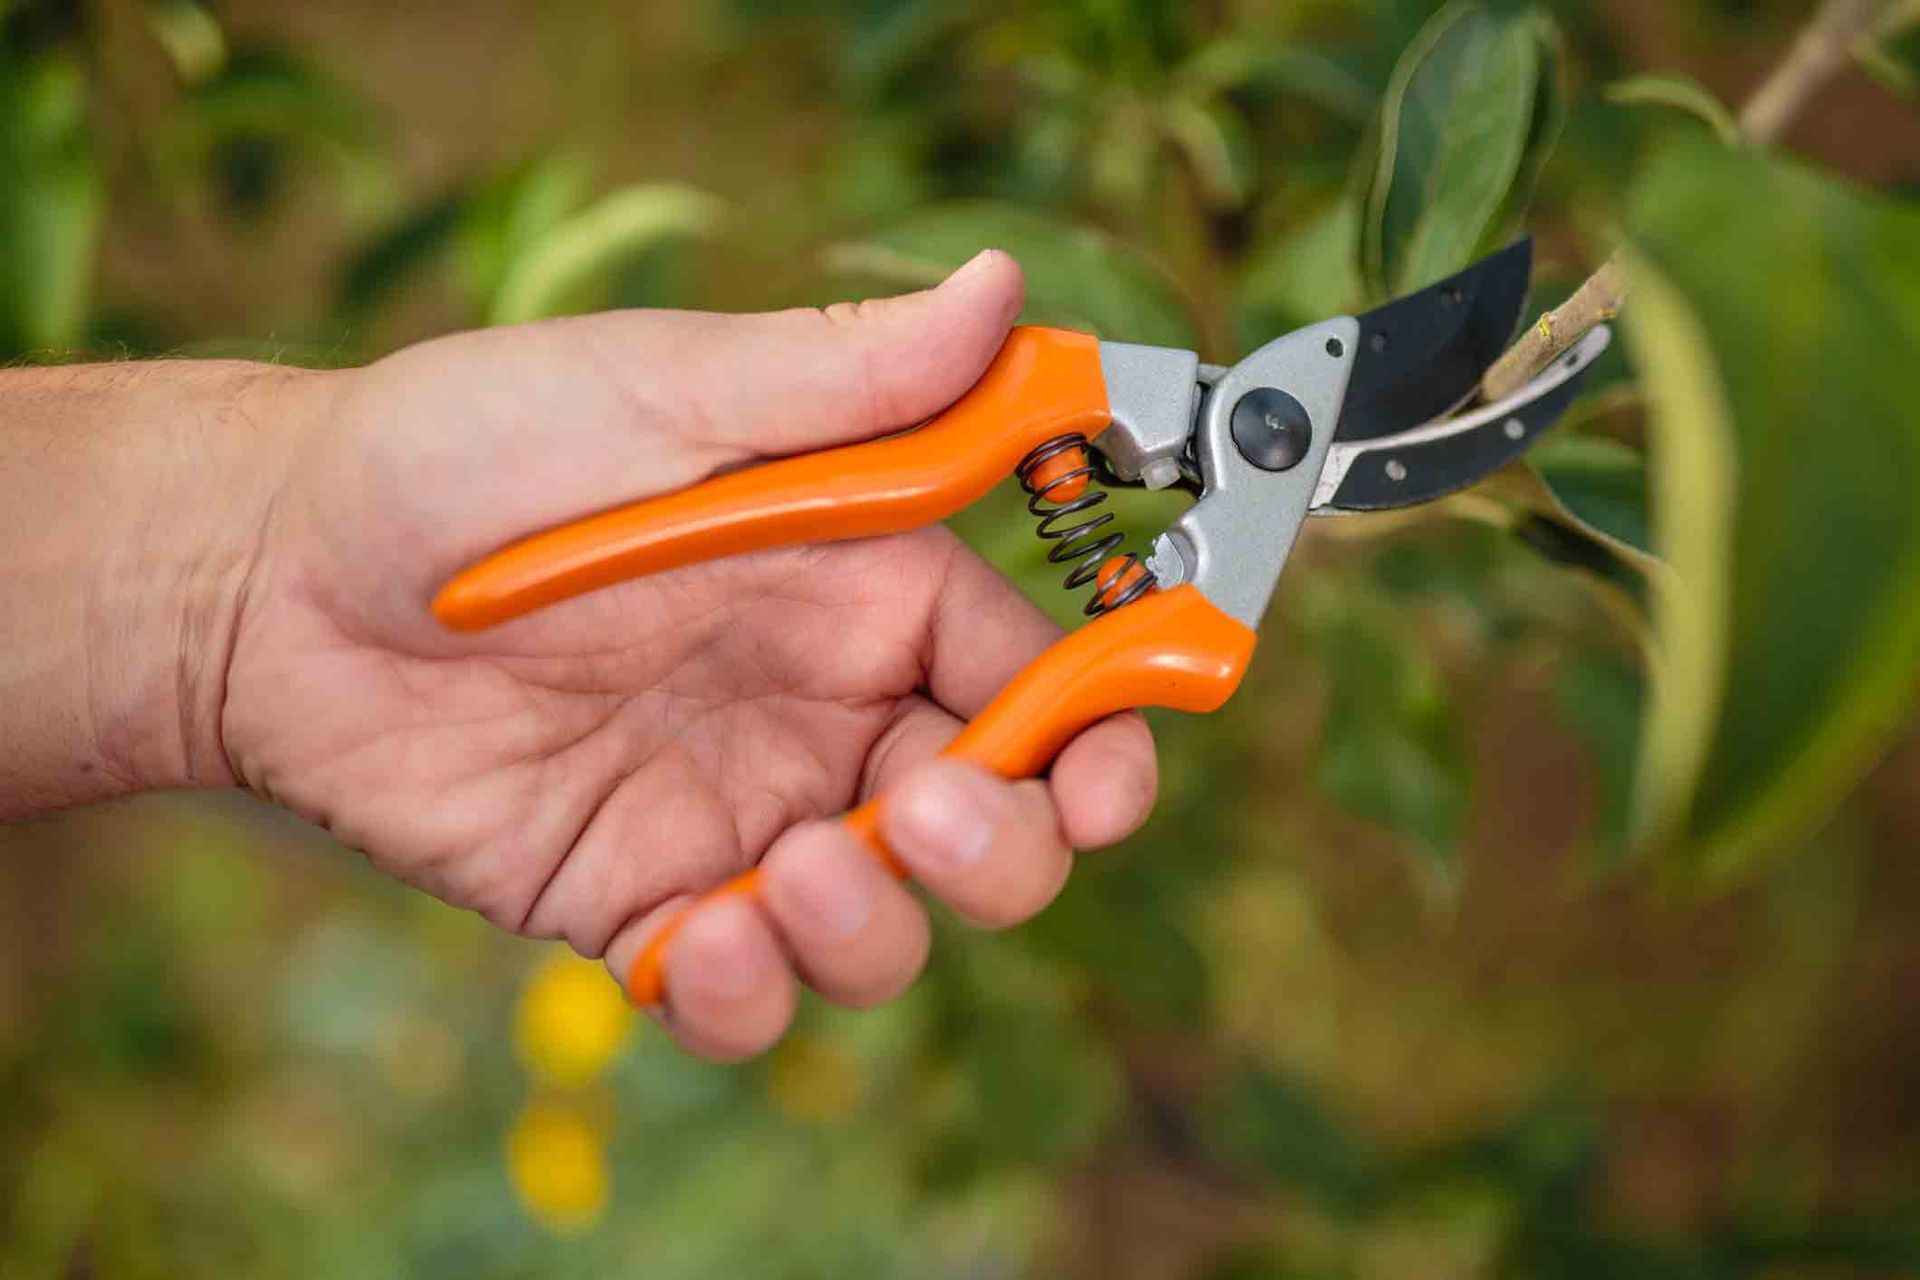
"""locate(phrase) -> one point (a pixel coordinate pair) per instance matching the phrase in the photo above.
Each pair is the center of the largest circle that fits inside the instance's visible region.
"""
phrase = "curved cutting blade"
(1438, 458)
(1423, 354)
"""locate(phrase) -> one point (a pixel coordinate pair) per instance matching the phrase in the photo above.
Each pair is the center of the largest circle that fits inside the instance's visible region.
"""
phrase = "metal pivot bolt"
(1271, 429)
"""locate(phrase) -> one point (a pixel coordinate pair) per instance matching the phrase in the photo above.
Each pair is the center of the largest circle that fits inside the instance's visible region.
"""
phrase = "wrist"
(144, 493)
(184, 565)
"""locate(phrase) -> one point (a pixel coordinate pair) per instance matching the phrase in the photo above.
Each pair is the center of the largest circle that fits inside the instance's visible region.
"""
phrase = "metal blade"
(1423, 354)
(1438, 458)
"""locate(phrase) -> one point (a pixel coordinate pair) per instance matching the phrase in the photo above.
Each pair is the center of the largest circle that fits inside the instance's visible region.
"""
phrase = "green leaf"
(51, 201)
(1600, 482)
(1216, 145)
(1277, 1128)
(1241, 62)
(1076, 276)
(1603, 700)
(514, 210)
(190, 36)
(586, 249)
(1391, 749)
(265, 107)
(1464, 113)
(1682, 94)
(1302, 276)
(1892, 55)
(1775, 314)
(395, 258)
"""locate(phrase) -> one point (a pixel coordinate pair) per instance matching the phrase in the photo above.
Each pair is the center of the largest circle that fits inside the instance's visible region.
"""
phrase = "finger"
(982, 631)
(990, 849)
(856, 934)
(730, 992)
(1104, 782)
(789, 381)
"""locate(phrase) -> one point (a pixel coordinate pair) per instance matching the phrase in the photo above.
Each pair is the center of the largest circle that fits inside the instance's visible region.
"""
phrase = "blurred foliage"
(1392, 985)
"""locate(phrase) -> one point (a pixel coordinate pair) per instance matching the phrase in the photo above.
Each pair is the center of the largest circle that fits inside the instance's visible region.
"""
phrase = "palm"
(616, 750)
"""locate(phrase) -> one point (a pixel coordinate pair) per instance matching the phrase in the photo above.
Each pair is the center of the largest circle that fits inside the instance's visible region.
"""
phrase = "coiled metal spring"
(1063, 491)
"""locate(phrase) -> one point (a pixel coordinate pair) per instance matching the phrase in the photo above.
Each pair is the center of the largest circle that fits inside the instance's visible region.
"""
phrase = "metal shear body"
(1352, 414)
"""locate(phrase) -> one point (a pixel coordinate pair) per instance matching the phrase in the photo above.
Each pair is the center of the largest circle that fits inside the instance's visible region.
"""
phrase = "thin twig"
(1816, 56)
(1595, 302)
(1823, 47)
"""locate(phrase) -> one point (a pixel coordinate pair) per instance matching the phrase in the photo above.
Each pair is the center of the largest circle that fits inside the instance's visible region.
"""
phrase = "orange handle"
(1044, 383)
(1168, 649)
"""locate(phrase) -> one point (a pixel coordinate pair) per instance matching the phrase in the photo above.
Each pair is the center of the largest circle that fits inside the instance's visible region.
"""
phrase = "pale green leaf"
(191, 37)
(1681, 94)
(513, 211)
(1216, 146)
(1774, 318)
(589, 246)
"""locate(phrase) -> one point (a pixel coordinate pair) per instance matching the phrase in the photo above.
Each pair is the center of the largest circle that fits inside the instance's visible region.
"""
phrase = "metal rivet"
(1396, 470)
(1378, 341)
(1514, 428)
(1271, 429)
(1336, 348)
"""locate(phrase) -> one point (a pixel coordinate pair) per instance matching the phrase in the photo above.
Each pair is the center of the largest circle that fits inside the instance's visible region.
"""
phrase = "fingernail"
(738, 972)
(971, 267)
(832, 890)
(947, 815)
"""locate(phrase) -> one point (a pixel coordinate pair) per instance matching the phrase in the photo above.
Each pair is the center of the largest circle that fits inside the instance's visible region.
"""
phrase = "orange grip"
(1044, 383)
(1168, 649)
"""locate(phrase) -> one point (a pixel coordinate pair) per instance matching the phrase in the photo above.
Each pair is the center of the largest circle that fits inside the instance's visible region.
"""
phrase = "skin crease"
(579, 772)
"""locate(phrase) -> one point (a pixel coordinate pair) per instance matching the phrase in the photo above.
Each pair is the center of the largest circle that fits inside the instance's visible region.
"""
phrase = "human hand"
(580, 772)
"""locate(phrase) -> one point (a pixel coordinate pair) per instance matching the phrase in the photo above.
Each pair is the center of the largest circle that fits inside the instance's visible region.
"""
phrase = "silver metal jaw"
(1233, 543)
(1259, 437)
(1152, 393)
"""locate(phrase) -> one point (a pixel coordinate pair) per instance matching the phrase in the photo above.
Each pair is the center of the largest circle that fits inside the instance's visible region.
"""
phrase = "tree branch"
(1818, 53)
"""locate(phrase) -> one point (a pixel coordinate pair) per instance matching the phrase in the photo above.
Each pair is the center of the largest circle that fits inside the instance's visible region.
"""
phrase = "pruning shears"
(1358, 413)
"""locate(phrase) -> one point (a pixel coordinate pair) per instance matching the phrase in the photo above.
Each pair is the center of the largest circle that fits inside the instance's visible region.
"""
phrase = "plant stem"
(1816, 56)
(1823, 47)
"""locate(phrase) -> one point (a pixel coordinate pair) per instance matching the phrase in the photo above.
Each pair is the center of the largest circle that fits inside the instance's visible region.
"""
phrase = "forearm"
(131, 500)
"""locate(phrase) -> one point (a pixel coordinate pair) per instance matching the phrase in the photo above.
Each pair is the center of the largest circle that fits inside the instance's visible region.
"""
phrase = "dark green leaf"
(268, 108)
(1600, 482)
(1463, 115)
(398, 257)
(1276, 1127)
(1391, 749)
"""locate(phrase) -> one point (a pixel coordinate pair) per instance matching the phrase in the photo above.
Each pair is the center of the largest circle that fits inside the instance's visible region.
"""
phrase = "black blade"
(1385, 476)
(1422, 354)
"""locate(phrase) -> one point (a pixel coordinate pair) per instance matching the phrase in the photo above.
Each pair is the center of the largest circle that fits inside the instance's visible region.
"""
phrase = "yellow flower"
(571, 1021)
(559, 1165)
(814, 1080)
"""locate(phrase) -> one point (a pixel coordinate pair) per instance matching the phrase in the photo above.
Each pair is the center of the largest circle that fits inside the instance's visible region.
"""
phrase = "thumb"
(792, 381)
